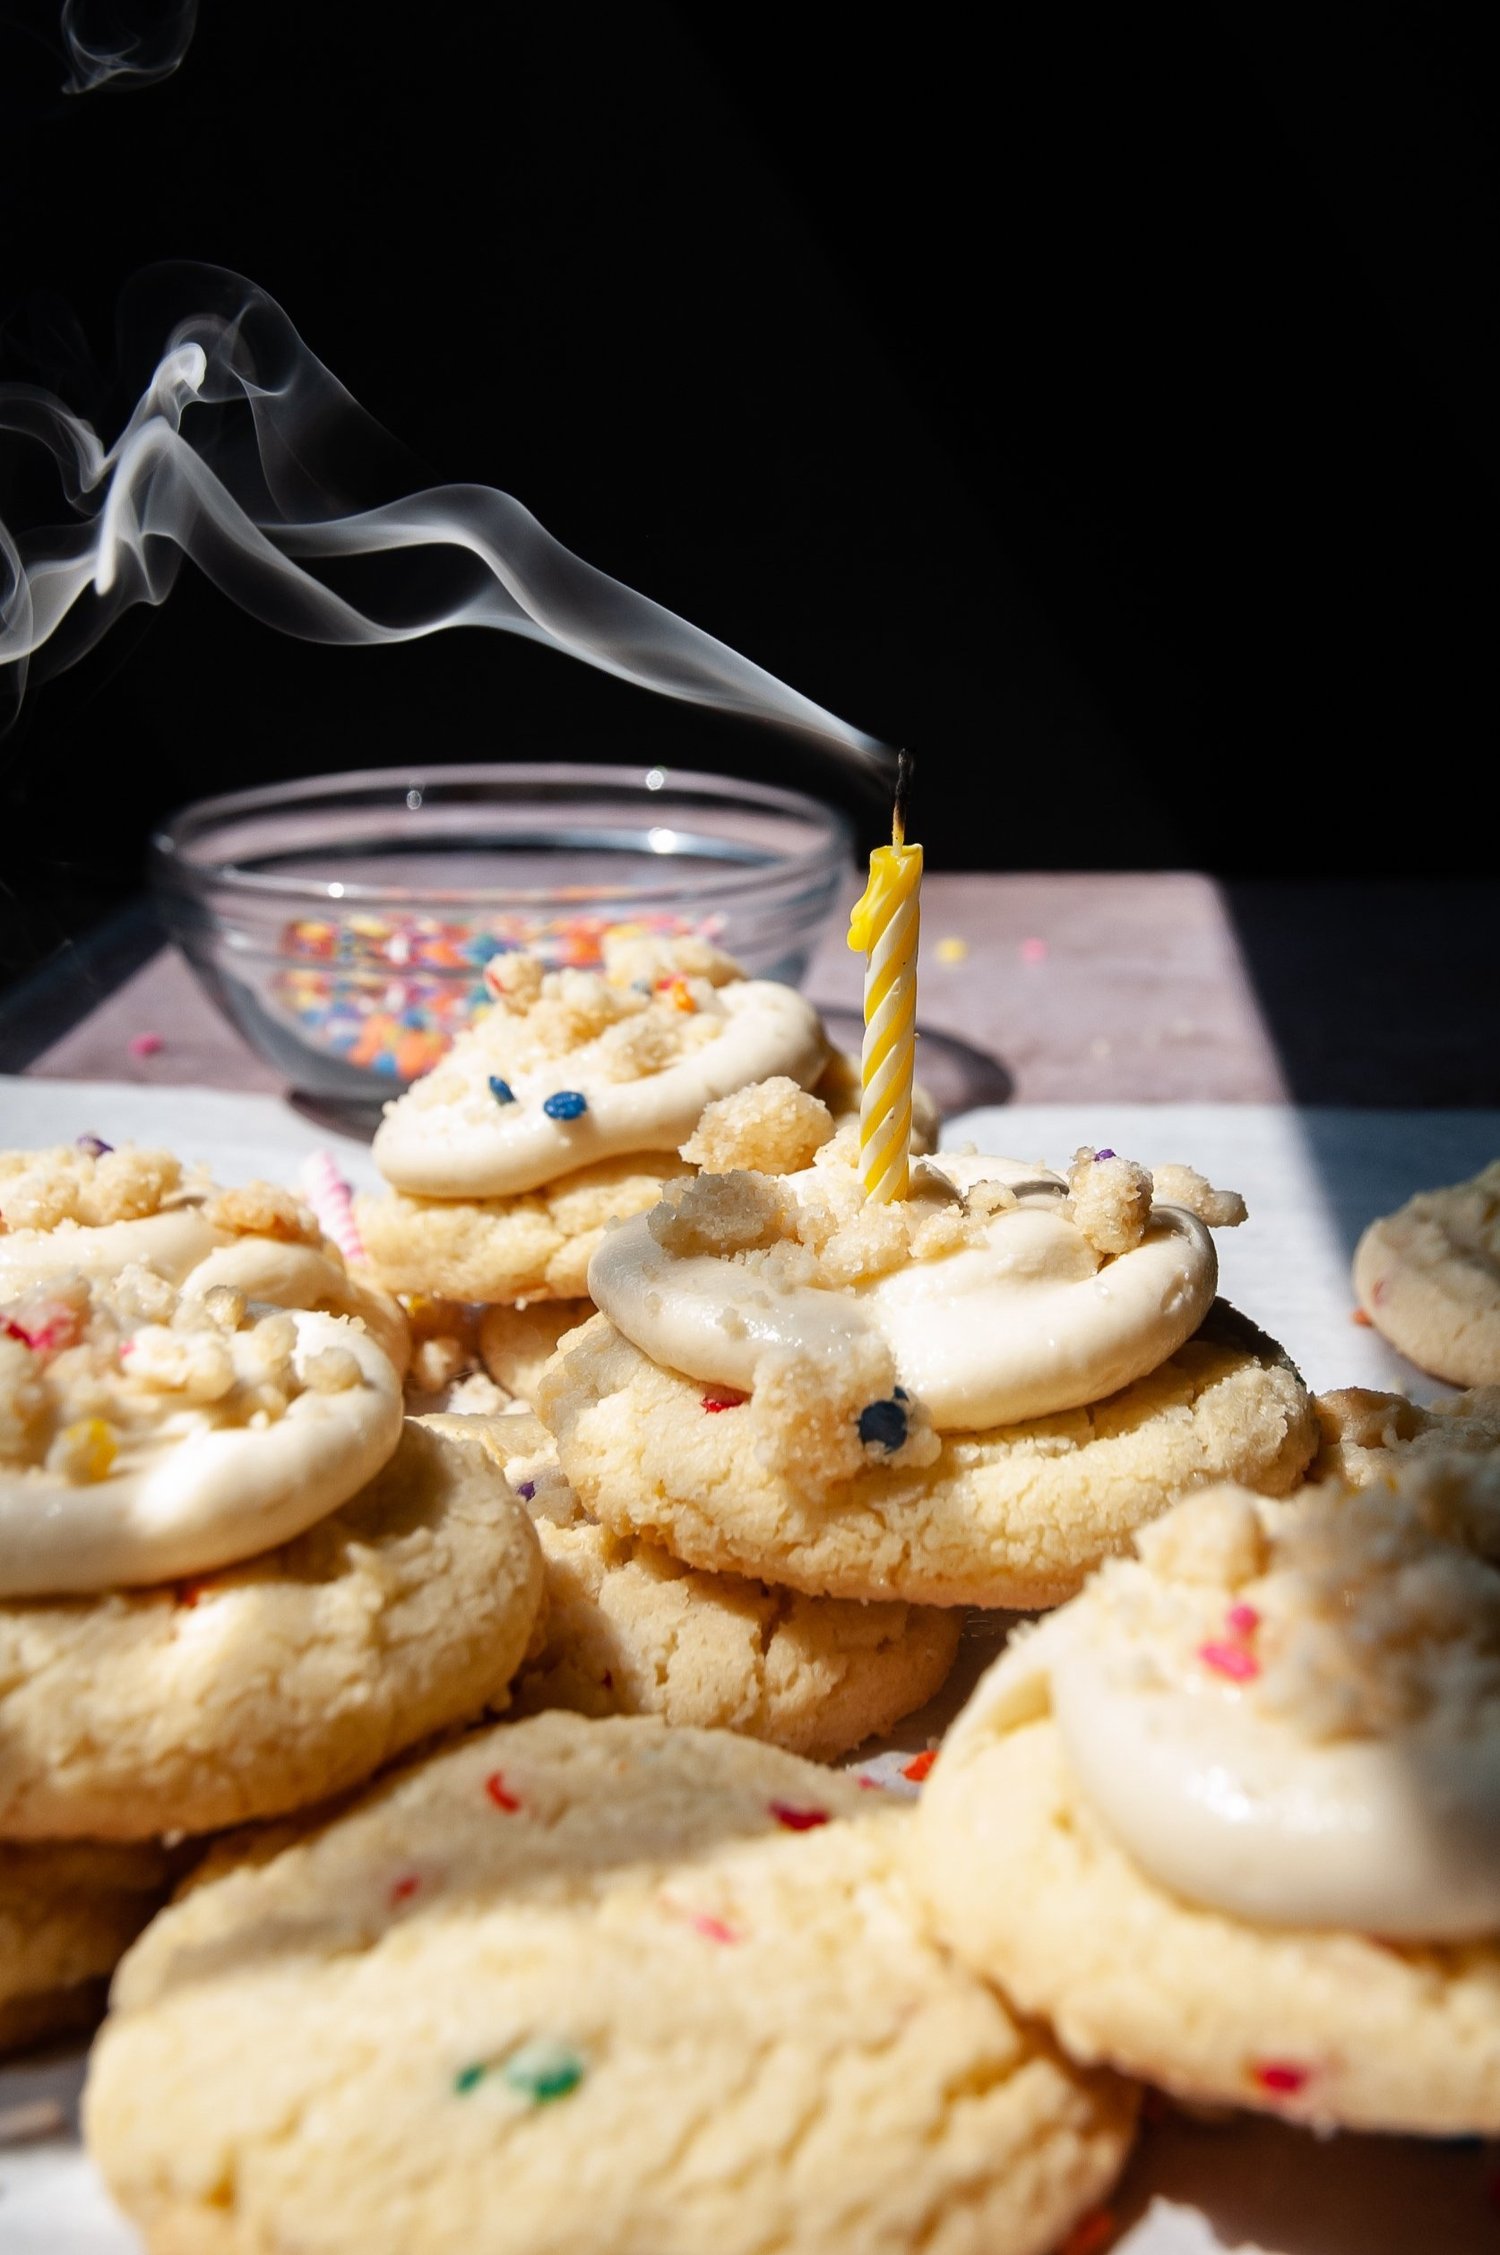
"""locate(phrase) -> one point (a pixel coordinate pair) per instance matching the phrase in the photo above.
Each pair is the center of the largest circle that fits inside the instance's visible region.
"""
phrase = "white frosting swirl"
(1397, 1836)
(170, 1243)
(191, 1493)
(448, 1137)
(1258, 1805)
(1028, 1322)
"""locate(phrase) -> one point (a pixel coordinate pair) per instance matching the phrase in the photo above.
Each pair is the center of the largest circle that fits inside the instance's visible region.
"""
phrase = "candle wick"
(903, 791)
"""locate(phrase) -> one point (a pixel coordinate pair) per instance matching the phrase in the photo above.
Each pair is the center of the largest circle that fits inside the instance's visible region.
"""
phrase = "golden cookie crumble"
(655, 1002)
(825, 1214)
(1343, 1612)
(90, 1368)
(81, 1186)
(71, 1183)
(772, 1127)
(819, 1229)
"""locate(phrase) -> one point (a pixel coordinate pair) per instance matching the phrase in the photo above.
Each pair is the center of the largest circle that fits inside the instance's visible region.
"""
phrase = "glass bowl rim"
(171, 838)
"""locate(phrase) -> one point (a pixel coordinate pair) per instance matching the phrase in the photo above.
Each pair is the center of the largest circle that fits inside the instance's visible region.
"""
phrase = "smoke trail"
(116, 42)
(245, 454)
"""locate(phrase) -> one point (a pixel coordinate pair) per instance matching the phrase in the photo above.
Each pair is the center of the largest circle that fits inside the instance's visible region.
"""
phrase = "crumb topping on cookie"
(1372, 1609)
(143, 1426)
(125, 1357)
(87, 1210)
(995, 1291)
(71, 1183)
(570, 1066)
(772, 1127)
(1291, 1709)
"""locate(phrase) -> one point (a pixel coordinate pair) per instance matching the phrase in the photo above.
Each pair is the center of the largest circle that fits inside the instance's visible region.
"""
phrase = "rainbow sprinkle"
(567, 1104)
(883, 1425)
(500, 1793)
(541, 2071)
(1232, 1660)
(1279, 2076)
(712, 1929)
(1230, 1655)
(797, 1820)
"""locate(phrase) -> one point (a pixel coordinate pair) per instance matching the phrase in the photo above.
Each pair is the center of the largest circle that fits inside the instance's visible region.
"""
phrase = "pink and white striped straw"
(331, 1200)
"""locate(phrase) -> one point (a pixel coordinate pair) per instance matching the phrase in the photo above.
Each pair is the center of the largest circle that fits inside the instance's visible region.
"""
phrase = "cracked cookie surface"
(1015, 1517)
(630, 1630)
(258, 1689)
(585, 1983)
(68, 1910)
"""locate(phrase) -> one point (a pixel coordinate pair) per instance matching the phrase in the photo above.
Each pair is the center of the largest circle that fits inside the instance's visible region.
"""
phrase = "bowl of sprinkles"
(348, 924)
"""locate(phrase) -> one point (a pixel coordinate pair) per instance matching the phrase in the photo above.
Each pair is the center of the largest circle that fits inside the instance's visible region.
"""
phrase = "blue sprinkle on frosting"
(567, 1104)
(883, 1423)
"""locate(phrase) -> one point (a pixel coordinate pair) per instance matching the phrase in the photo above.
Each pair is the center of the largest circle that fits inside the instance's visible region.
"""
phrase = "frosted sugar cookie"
(67, 1913)
(1362, 1431)
(86, 1209)
(966, 1397)
(1428, 1278)
(145, 1434)
(574, 1067)
(630, 1630)
(274, 1683)
(578, 1984)
(534, 1246)
(1230, 1819)
(517, 1343)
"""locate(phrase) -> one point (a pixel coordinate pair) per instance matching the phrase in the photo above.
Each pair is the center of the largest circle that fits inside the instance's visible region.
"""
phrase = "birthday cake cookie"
(630, 1630)
(231, 1580)
(1230, 1820)
(1365, 1432)
(1428, 1278)
(89, 1209)
(967, 1395)
(516, 1344)
(585, 1984)
(68, 1911)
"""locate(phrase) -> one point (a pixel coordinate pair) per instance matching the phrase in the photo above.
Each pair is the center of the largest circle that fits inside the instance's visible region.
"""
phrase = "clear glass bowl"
(343, 922)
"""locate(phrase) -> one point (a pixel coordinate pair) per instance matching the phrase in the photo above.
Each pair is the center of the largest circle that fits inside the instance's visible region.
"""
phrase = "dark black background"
(1106, 409)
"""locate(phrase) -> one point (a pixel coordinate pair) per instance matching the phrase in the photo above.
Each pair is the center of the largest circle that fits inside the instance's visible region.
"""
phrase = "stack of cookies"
(568, 1106)
(233, 1580)
(566, 1110)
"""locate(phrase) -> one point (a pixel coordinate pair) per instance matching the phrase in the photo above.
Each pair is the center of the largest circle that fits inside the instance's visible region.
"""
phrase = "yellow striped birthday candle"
(883, 928)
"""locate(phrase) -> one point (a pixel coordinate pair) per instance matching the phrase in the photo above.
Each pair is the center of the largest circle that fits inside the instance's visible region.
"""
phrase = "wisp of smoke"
(245, 454)
(125, 42)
